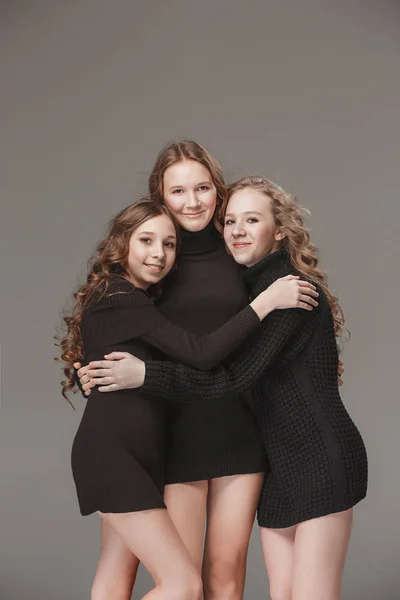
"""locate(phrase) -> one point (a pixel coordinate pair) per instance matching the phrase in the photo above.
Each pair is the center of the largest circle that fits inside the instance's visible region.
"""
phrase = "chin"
(241, 260)
(195, 224)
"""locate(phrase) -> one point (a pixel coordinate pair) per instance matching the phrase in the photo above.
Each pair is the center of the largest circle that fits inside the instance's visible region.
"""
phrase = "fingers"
(340, 381)
(102, 381)
(100, 364)
(77, 365)
(82, 371)
(109, 388)
(99, 373)
(304, 305)
(289, 277)
(308, 299)
(116, 355)
(307, 284)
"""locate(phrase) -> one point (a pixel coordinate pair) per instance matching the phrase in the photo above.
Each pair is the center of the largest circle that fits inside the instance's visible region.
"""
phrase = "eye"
(229, 222)
(204, 188)
(177, 191)
(170, 244)
(145, 240)
(252, 220)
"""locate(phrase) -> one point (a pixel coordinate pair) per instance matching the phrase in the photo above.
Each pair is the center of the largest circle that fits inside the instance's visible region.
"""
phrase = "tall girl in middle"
(215, 460)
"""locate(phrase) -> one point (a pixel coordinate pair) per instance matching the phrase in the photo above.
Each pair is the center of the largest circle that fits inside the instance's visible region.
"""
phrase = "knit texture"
(317, 456)
(204, 291)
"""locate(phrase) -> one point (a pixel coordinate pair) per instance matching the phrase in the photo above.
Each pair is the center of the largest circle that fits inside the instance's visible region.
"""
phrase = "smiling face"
(250, 232)
(190, 194)
(152, 249)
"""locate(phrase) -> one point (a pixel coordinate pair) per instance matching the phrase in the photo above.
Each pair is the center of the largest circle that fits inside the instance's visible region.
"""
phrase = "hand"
(340, 373)
(83, 378)
(292, 292)
(120, 371)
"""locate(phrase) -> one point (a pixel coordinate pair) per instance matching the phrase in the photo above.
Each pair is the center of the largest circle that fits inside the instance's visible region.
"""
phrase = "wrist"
(262, 306)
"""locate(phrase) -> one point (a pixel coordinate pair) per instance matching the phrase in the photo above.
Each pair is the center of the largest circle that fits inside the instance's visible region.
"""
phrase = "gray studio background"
(307, 93)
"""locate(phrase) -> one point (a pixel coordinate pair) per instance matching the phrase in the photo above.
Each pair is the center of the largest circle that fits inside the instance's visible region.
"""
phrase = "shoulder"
(119, 291)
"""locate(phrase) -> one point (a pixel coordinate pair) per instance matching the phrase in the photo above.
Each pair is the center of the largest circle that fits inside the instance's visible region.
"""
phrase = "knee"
(279, 591)
(224, 578)
(102, 590)
(187, 588)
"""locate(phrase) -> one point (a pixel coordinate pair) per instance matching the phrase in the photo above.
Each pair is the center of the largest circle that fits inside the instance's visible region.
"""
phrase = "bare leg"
(278, 550)
(232, 503)
(151, 536)
(319, 555)
(186, 504)
(116, 569)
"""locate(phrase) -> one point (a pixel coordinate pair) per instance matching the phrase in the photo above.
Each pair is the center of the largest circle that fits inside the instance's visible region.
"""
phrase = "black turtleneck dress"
(214, 440)
(318, 462)
(118, 451)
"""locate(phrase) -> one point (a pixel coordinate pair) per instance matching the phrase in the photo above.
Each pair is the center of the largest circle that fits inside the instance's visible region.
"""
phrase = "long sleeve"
(282, 331)
(129, 313)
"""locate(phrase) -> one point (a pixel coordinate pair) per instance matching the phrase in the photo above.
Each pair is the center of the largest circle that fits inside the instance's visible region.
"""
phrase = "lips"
(193, 215)
(154, 268)
(240, 245)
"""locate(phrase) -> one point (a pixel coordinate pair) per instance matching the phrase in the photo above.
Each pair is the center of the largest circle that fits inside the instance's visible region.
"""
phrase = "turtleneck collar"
(271, 267)
(198, 242)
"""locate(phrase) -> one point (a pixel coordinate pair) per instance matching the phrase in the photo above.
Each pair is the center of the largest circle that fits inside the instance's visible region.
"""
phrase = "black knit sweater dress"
(214, 440)
(118, 451)
(318, 462)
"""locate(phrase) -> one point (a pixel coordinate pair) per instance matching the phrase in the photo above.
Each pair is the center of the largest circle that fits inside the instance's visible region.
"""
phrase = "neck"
(267, 270)
(197, 242)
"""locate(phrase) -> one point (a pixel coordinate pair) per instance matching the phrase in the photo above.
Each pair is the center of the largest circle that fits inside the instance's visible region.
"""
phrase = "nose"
(158, 250)
(191, 200)
(238, 230)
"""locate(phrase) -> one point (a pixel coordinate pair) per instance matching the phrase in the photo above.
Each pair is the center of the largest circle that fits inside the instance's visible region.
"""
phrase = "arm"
(119, 370)
(280, 331)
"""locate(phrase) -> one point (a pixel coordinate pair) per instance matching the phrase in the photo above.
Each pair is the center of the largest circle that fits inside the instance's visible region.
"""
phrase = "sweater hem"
(219, 458)
(269, 522)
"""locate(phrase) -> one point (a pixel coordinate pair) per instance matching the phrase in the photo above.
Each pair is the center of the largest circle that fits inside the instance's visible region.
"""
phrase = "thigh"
(117, 566)
(278, 551)
(186, 504)
(232, 505)
(319, 555)
(151, 536)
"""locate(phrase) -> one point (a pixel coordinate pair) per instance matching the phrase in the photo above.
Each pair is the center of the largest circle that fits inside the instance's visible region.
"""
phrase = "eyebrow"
(248, 212)
(152, 233)
(197, 184)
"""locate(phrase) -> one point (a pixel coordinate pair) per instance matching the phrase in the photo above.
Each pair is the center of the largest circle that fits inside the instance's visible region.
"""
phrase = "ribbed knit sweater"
(317, 456)
(202, 442)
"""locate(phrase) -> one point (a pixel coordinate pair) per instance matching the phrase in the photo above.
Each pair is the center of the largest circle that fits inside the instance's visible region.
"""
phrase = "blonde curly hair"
(288, 216)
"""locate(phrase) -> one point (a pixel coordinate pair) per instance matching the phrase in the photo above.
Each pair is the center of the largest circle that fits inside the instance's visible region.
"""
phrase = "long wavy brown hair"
(111, 258)
(289, 217)
(177, 151)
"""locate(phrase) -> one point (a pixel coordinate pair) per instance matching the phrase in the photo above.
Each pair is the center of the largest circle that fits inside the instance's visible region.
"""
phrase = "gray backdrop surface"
(307, 93)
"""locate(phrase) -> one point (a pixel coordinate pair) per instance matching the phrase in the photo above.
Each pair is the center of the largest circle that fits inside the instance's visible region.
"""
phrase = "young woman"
(316, 454)
(215, 460)
(118, 451)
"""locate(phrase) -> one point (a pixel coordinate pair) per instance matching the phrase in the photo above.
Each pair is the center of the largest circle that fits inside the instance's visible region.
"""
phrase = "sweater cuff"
(152, 379)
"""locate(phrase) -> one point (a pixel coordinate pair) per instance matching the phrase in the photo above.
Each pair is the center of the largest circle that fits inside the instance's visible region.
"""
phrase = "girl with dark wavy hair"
(318, 463)
(215, 459)
(118, 451)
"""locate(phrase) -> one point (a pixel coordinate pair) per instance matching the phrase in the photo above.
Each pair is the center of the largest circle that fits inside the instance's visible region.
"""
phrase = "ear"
(279, 235)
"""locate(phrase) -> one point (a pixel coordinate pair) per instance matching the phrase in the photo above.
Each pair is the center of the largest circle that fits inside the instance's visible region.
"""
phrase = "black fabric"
(317, 456)
(118, 451)
(203, 442)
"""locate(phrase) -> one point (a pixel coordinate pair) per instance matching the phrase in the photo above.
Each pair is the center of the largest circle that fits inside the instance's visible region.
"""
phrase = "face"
(190, 194)
(152, 249)
(250, 232)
